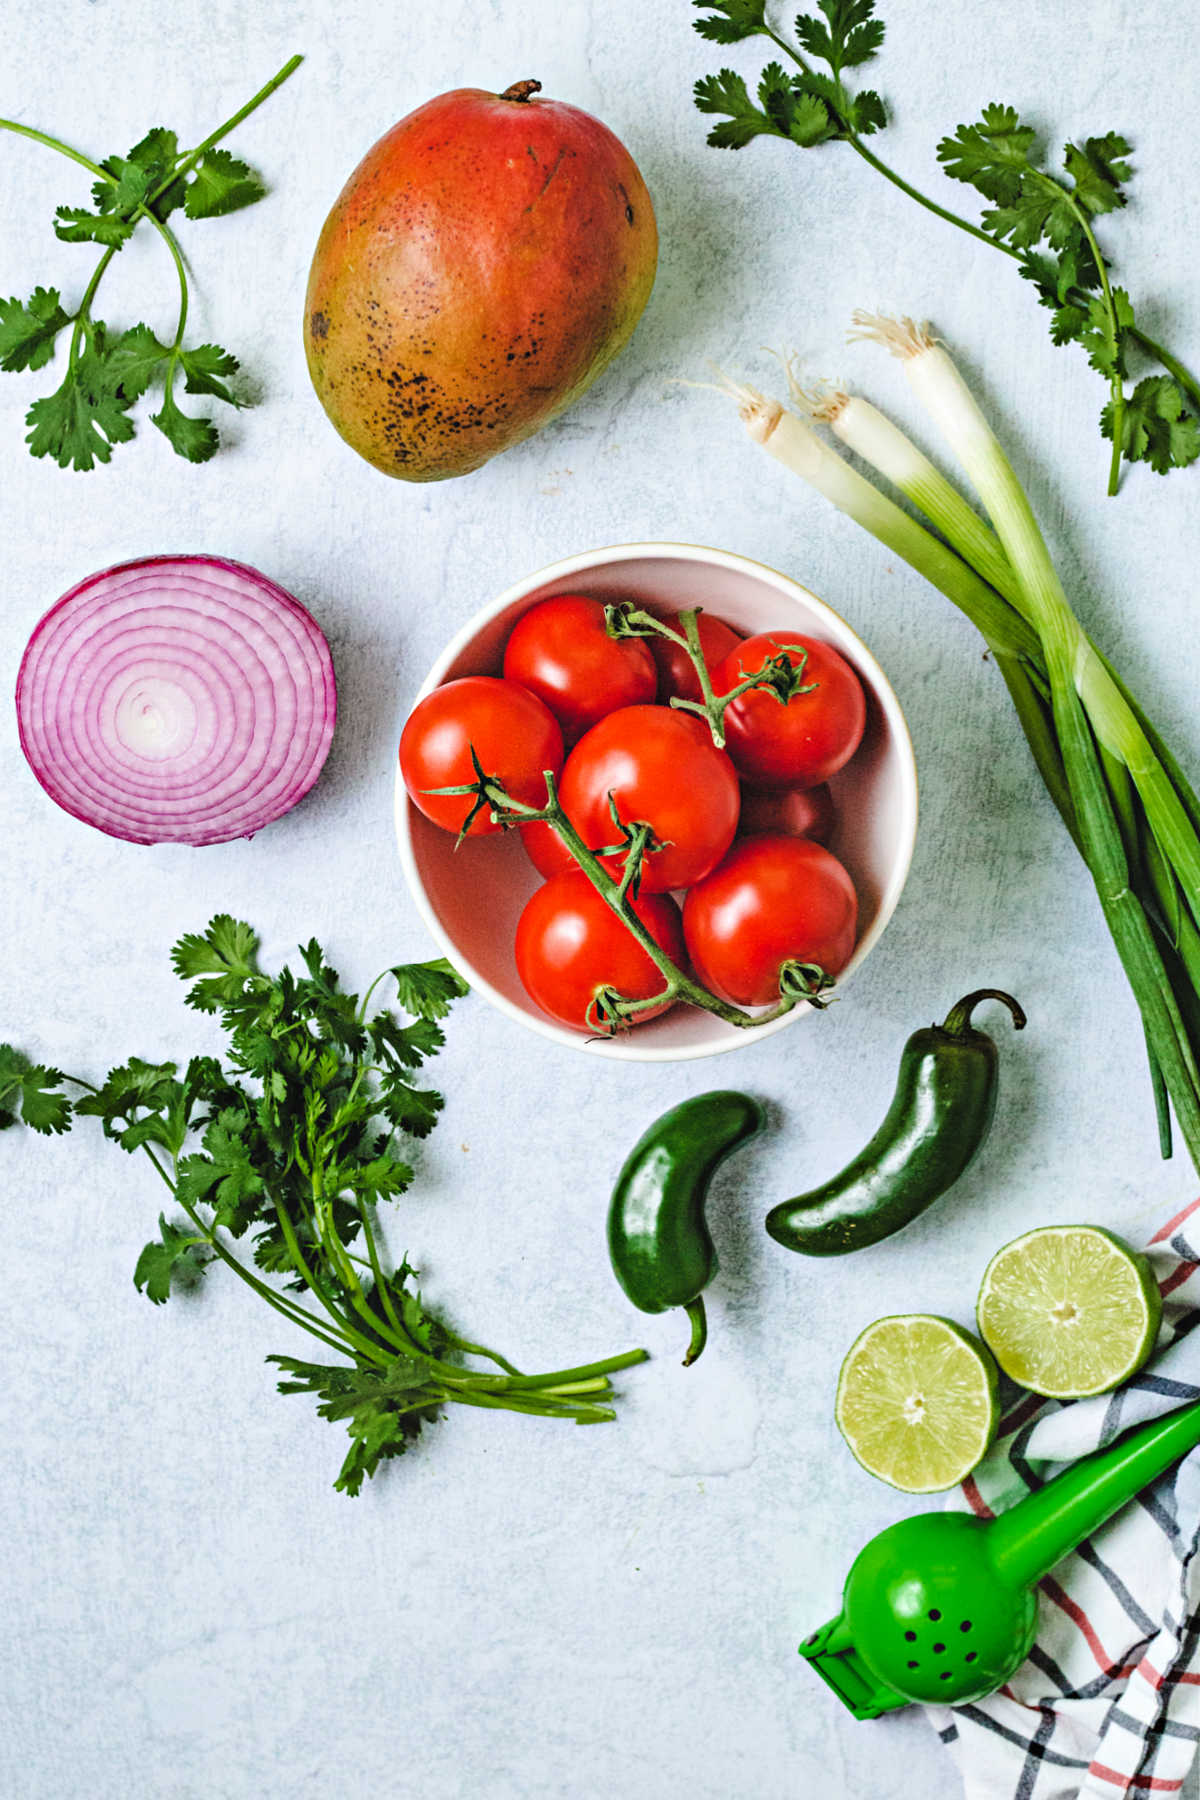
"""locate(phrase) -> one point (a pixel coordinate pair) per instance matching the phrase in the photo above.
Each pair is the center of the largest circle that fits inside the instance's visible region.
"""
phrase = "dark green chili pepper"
(939, 1117)
(658, 1240)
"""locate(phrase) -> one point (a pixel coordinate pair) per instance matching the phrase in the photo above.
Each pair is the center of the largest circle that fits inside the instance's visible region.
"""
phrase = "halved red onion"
(177, 699)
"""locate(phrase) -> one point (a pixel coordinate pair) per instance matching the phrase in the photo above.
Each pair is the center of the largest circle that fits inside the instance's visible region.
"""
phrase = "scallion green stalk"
(1121, 794)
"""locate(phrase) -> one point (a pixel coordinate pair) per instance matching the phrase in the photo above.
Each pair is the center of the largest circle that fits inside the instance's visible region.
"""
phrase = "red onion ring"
(176, 699)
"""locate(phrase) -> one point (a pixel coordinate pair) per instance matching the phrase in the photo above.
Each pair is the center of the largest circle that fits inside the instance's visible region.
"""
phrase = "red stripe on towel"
(1161, 1236)
(1182, 1273)
(1125, 1782)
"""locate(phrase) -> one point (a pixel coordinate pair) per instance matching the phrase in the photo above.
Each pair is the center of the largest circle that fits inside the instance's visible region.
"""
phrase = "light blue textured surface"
(518, 1610)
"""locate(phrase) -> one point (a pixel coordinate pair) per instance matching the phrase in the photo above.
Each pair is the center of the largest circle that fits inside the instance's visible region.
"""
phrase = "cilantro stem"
(583, 1372)
(1170, 363)
(1116, 379)
(381, 1286)
(83, 316)
(53, 143)
(942, 212)
(848, 136)
(464, 1344)
(355, 1337)
(192, 157)
(582, 1414)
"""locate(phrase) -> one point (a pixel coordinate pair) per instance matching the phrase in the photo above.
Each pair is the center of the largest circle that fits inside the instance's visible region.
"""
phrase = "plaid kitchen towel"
(1108, 1703)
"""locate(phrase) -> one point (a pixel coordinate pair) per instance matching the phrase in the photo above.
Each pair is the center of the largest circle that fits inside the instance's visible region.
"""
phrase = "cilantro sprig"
(108, 372)
(278, 1158)
(1043, 219)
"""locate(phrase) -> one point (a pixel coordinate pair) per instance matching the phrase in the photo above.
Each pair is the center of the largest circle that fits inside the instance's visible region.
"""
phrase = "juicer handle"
(1025, 1543)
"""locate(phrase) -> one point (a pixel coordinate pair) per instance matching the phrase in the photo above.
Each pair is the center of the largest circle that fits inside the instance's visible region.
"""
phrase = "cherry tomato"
(570, 945)
(561, 652)
(808, 739)
(772, 900)
(661, 768)
(514, 736)
(800, 812)
(675, 672)
(546, 850)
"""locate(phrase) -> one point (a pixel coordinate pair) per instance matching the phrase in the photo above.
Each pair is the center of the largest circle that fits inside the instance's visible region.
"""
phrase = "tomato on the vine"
(808, 738)
(676, 673)
(773, 900)
(561, 651)
(660, 768)
(571, 945)
(515, 737)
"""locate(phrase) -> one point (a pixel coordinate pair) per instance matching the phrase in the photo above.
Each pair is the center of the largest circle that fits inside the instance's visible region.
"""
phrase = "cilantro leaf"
(849, 34)
(227, 951)
(796, 114)
(135, 361)
(174, 1261)
(225, 1176)
(726, 93)
(730, 20)
(80, 422)
(134, 177)
(27, 332)
(221, 184)
(414, 1110)
(1098, 169)
(1102, 333)
(194, 439)
(30, 1090)
(138, 1087)
(382, 1411)
(1156, 427)
(868, 113)
(204, 369)
(404, 1046)
(993, 155)
(426, 990)
(76, 225)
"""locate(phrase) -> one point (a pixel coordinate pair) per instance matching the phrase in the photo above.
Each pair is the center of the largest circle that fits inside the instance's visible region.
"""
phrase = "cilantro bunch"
(107, 371)
(1043, 220)
(287, 1148)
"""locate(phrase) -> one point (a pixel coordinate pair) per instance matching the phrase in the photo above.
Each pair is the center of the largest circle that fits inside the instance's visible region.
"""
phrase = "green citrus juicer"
(942, 1606)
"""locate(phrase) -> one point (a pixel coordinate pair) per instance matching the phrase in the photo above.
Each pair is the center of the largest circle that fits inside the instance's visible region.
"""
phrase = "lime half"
(1069, 1310)
(916, 1401)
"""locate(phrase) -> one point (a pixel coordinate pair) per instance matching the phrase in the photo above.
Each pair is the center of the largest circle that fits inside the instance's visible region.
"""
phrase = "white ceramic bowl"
(471, 898)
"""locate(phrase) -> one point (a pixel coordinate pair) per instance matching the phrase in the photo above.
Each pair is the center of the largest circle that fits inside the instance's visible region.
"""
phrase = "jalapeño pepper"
(939, 1117)
(658, 1240)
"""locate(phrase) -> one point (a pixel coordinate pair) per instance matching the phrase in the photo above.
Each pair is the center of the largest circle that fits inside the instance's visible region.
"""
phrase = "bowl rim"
(628, 1048)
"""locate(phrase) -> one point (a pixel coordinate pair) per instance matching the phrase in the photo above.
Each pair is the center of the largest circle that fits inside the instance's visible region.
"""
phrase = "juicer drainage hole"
(971, 1655)
(965, 1626)
(910, 1637)
(938, 1648)
(934, 1614)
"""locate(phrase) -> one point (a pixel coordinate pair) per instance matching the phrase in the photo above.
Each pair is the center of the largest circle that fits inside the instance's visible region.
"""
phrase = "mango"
(484, 262)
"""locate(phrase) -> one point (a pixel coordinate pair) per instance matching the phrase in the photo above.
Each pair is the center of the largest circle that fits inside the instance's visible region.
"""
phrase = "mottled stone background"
(520, 1611)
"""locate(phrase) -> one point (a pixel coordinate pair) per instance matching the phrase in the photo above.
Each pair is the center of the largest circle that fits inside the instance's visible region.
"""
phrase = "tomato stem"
(777, 672)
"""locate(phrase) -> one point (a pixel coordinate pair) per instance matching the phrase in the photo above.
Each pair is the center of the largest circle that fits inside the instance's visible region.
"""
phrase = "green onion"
(1129, 809)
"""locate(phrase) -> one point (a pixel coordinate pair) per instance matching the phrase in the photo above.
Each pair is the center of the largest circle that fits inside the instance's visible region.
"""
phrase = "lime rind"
(1069, 1310)
(917, 1401)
